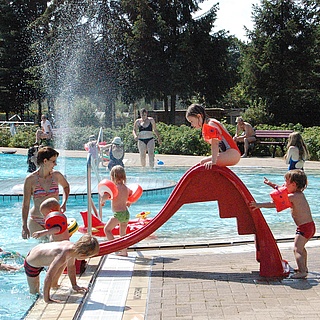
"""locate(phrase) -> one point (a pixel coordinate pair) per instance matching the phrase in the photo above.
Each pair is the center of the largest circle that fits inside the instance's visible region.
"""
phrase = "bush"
(181, 140)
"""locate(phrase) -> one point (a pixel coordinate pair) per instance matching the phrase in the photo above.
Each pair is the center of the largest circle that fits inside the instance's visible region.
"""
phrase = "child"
(47, 206)
(296, 181)
(224, 150)
(55, 255)
(297, 152)
(119, 205)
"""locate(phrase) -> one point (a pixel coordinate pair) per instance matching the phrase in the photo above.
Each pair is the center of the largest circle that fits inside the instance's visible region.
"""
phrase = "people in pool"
(297, 151)
(119, 205)
(115, 151)
(296, 181)
(143, 132)
(51, 206)
(40, 185)
(223, 149)
(55, 255)
(244, 133)
(11, 256)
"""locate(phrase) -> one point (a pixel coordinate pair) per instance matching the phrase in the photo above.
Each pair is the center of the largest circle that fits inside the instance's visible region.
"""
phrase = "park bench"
(274, 138)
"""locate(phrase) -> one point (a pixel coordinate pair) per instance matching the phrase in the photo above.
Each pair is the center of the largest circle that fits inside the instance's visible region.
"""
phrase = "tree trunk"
(172, 109)
(166, 109)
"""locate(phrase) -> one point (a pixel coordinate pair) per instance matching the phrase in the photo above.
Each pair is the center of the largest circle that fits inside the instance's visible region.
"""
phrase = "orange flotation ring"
(107, 186)
(280, 198)
(136, 192)
(56, 218)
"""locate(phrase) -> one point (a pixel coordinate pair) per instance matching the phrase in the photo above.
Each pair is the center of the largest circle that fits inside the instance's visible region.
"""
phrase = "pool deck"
(221, 282)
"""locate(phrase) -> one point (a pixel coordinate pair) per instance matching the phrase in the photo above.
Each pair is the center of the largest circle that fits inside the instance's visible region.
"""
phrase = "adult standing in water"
(143, 132)
(40, 185)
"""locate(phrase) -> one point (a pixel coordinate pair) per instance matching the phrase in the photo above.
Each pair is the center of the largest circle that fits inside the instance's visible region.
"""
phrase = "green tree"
(281, 63)
(172, 54)
(15, 38)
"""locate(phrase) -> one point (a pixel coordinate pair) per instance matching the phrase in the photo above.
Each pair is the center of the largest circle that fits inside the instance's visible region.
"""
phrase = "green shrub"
(181, 140)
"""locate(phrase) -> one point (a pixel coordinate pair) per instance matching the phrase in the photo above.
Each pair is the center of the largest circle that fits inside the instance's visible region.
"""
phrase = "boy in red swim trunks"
(56, 255)
(296, 181)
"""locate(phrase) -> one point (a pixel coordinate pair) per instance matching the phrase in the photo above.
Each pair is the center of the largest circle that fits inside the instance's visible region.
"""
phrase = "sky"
(232, 16)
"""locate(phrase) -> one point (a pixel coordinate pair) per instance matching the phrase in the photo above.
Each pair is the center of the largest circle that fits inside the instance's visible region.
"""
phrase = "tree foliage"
(281, 62)
(15, 57)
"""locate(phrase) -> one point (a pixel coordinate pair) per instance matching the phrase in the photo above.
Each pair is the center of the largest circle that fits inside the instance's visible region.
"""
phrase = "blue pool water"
(197, 222)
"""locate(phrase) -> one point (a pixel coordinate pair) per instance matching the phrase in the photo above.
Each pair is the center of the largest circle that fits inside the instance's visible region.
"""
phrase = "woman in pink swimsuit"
(40, 185)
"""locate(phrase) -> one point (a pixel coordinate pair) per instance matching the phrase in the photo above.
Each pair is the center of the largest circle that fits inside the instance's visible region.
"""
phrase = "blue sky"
(232, 15)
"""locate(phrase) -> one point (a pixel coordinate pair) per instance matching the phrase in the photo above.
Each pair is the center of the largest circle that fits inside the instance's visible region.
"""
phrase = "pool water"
(192, 223)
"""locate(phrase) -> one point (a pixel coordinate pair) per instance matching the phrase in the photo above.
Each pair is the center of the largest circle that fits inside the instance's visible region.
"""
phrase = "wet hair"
(48, 205)
(299, 177)
(46, 153)
(87, 245)
(118, 174)
(195, 109)
(295, 139)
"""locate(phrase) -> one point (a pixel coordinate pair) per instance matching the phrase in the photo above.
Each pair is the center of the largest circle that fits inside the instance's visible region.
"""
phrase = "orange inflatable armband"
(136, 192)
(55, 219)
(280, 198)
(210, 132)
(107, 186)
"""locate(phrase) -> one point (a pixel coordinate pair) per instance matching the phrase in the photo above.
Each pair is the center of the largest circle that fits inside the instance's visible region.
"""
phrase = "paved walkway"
(191, 284)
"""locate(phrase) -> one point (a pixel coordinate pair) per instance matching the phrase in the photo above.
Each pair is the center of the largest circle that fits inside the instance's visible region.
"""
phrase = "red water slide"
(222, 185)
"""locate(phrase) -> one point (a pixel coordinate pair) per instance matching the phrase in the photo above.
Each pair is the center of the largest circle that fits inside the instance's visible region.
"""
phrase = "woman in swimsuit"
(143, 132)
(223, 149)
(297, 152)
(40, 185)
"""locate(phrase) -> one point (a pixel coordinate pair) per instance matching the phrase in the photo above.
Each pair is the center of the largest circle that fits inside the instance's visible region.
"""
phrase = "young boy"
(47, 206)
(55, 255)
(296, 181)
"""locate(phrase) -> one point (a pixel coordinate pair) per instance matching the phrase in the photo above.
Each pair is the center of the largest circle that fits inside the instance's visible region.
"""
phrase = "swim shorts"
(307, 230)
(31, 271)
(122, 216)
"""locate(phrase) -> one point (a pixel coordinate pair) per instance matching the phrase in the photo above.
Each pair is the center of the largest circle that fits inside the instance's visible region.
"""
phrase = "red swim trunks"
(307, 230)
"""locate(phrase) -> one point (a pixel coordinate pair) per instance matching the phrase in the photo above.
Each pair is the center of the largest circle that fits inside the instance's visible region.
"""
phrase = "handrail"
(92, 164)
(89, 212)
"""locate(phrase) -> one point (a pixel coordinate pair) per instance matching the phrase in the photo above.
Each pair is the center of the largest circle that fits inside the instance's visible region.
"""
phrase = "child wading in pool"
(55, 255)
(296, 181)
(52, 205)
(119, 205)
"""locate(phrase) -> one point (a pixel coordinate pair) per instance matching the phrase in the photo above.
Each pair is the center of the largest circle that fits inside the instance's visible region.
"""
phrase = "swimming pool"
(193, 223)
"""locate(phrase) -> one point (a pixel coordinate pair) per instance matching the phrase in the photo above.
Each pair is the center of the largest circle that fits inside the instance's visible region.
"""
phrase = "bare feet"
(299, 275)
(297, 270)
(122, 254)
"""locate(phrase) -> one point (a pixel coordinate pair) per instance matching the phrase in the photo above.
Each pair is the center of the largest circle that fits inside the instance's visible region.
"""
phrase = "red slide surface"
(222, 185)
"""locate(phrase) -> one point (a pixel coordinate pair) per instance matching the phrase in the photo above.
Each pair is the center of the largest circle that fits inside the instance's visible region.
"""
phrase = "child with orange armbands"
(295, 182)
(119, 205)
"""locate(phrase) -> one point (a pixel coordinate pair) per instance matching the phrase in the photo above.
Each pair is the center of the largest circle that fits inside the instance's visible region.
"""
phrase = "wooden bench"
(273, 137)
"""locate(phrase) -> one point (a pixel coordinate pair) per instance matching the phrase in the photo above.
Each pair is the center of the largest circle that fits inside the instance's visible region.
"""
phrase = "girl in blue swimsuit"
(297, 152)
